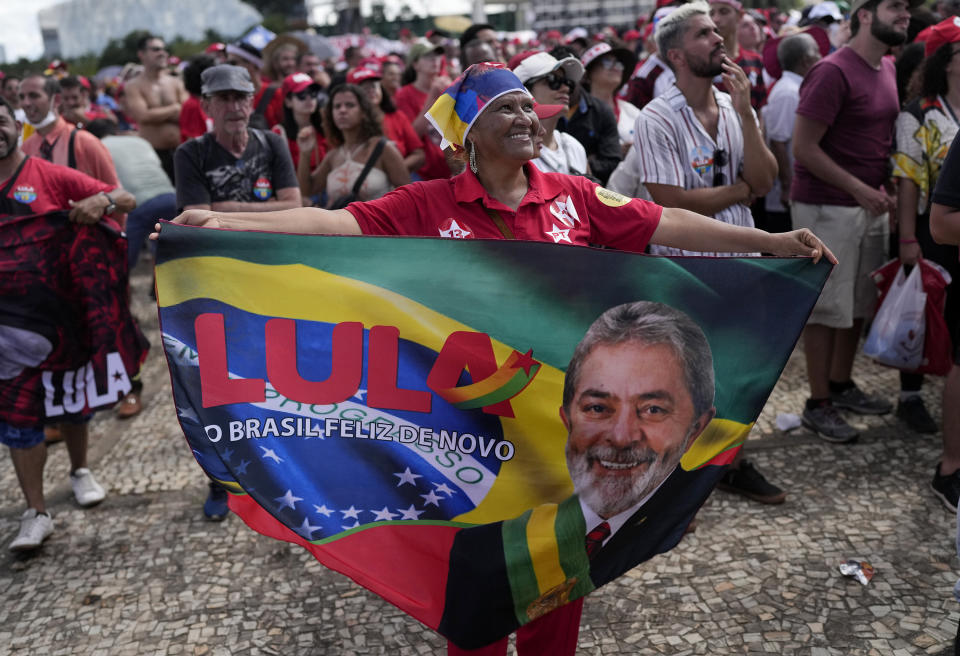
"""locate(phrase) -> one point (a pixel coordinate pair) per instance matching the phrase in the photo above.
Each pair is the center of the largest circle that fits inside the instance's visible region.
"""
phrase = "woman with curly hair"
(354, 131)
(925, 129)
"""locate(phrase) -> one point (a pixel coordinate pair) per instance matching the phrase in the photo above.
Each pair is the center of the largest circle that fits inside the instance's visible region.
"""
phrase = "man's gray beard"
(610, 495)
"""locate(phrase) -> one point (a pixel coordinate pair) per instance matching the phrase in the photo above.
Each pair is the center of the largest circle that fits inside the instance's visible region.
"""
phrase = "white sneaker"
(34, 529)
(85, 488)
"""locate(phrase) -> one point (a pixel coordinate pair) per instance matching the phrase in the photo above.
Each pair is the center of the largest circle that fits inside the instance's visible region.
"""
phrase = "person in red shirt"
(75, 105)
(414, 99)
(500, 195)
(301, 111)
(396, 125)
(32, 185)
(726, 14)
(391, 70)
(194, 122)
(57, 141)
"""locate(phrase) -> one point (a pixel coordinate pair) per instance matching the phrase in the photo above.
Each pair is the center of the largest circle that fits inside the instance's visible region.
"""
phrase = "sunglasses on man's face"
(555, 81)
(719, 161)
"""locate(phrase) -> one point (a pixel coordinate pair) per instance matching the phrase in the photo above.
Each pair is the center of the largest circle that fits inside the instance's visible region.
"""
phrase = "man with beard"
(637, 393)
(701, 149)
(31, 185)
(842, 142)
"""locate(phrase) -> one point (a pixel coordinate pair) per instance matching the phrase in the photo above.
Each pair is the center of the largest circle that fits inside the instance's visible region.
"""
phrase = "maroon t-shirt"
(860, 105)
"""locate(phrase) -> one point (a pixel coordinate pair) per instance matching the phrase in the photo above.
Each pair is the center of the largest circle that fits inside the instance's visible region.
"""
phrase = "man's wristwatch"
(111, 204)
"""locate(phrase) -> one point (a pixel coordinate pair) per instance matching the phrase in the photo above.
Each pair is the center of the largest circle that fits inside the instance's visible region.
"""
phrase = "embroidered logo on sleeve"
(450, 228)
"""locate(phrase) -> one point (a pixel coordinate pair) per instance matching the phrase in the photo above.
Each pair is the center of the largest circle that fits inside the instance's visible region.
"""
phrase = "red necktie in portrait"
(596, 537)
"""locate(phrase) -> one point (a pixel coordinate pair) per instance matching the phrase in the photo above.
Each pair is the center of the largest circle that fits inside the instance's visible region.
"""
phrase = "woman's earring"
(473, 159)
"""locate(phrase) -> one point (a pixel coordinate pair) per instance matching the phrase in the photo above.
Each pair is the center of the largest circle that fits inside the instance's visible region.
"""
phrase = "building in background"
(528, 14)
(592, 15)
(80, 27)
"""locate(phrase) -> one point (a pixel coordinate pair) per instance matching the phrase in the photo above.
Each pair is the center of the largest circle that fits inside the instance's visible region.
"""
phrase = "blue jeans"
(140, 222)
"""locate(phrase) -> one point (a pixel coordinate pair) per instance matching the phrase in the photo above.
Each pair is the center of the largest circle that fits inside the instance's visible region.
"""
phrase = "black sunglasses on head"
(719, 161)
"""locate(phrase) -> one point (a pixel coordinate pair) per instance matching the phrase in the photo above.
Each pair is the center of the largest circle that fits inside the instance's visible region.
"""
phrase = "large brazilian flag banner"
(397, 405)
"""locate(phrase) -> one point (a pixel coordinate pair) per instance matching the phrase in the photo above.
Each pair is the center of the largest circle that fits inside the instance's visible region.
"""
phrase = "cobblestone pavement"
(143, 573)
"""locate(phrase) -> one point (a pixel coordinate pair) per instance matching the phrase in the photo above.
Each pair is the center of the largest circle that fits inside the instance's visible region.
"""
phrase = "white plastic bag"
(896, 336)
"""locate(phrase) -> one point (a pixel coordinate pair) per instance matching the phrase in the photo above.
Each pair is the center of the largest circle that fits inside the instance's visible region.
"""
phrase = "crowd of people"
(834, 121)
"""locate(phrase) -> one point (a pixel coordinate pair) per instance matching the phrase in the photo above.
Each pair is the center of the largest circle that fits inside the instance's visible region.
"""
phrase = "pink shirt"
(92, 156)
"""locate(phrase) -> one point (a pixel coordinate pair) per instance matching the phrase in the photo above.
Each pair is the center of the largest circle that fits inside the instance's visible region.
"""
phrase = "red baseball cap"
(519, 57)
(944, 32)
(362, 74)
(297, 82)
(215, 47)
(631, 35)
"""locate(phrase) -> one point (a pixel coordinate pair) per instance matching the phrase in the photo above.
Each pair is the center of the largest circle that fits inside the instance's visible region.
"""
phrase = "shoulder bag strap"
(374, 156)
(499, 222)
(265, 99)
(71, 149)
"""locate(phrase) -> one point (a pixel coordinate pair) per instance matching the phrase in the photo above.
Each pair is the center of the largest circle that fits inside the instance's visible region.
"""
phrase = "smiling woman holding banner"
(489, 114)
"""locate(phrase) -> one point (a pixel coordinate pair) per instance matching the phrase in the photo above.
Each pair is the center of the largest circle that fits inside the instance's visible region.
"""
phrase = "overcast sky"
(20, 35)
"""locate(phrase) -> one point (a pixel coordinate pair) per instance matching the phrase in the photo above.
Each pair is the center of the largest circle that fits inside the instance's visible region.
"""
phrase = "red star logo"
(525, 361)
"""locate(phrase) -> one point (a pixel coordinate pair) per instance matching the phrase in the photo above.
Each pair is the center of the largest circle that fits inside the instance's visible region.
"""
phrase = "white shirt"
(664, 82)
(627, 121)
(674, 149)
(779, 115)
(569, 157)
(625, 179)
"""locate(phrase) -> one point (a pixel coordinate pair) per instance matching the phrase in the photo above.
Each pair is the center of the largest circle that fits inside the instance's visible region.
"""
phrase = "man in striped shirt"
(701, 149)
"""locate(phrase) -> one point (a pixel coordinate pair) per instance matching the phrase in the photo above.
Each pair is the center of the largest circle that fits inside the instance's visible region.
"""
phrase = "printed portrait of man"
(638, 391)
